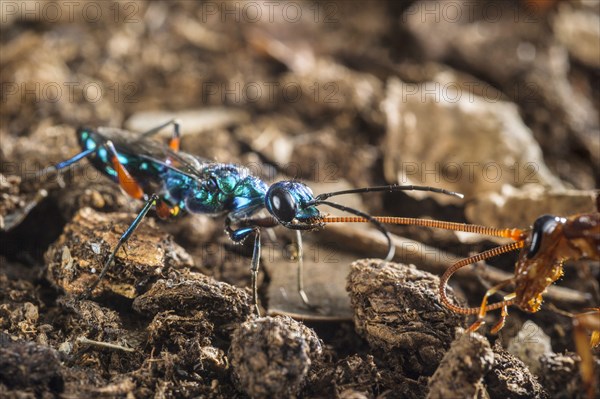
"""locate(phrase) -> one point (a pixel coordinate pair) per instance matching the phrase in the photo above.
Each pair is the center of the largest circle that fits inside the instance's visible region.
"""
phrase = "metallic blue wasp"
(172, 182)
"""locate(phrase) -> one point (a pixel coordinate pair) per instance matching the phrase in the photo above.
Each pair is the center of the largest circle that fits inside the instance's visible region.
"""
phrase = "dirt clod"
(510, 378)
(397, 309)
(559, 374)
(187, 293)
(88, 318)
(175, 331)
(29, 366)
(357, 374)
(9, 196)
(271, 356)
(77, 257)
(461, 371)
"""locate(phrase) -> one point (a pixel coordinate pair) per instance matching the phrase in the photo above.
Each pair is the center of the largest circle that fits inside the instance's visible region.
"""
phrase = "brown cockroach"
(543, 248)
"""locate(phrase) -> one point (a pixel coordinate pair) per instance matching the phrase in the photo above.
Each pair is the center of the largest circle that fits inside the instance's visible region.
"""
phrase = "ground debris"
(436, 133)
(510, 378)
(358, 374)
(91, 335)
(30, 367)
(461, 371)
(397, 309)
(174, 331)
(194, 373)
(15, 204)
(89, 319)
(519, 207)
(271, 356)
(96, 194)
(187, 293)
(9, 197)
(19, 306)
(77, 257)
(559, 375)
(361, 376)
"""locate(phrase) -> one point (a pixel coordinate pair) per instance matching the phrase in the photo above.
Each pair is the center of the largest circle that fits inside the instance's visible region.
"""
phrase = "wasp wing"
(136, 145)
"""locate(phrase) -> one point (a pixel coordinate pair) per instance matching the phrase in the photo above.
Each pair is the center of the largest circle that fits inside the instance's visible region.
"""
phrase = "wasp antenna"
(367, 217)
(389, 188)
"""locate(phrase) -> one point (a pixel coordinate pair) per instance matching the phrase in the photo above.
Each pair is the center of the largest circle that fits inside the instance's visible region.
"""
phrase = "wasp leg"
(165, 211)
(300, 273)
(240, 235)
(582, 323)
(126, 181)
(126, 235)
(131, 187)
(64, 164)
(483, 309)
(12, 220)
(175, 140)
(254, 265)
(300, 270)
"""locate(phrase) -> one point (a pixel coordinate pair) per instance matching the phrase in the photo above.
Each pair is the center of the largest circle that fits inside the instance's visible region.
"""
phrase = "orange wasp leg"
(126, 181)
(131, 187)
(175, 140)
(164, 211)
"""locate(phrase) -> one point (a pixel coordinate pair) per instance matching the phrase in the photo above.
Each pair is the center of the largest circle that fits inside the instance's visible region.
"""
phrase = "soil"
(174, 317)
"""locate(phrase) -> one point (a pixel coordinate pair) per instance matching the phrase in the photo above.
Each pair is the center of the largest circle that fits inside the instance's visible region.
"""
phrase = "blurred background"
(474, 96)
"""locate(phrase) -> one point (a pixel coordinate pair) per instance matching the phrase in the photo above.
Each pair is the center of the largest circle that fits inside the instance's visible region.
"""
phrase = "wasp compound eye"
(282, 205)
(542, 226)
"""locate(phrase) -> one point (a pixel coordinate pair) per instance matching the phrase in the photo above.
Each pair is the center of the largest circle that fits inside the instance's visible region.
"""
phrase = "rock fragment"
(517, 207)
(529, 345)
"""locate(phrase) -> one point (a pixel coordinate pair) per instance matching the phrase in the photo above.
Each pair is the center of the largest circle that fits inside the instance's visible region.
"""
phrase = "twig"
(86, 341)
